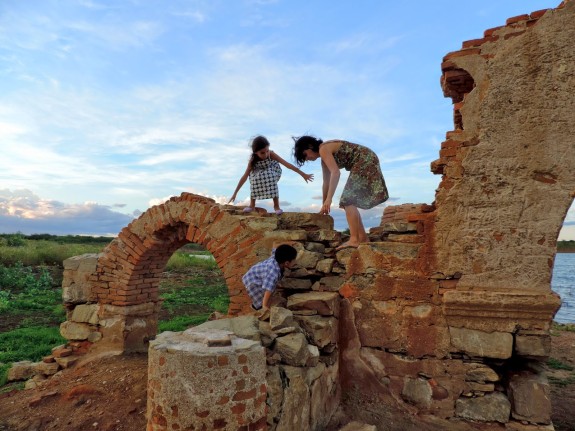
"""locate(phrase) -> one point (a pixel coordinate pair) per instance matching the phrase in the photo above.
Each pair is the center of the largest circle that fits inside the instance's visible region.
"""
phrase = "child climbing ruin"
(264, 172)
(261, 279)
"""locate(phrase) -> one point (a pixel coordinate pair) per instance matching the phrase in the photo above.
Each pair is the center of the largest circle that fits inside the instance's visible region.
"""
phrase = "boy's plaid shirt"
(261, 277)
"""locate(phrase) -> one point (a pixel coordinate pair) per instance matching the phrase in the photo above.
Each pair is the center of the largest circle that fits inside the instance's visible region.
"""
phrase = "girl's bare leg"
(276, 203)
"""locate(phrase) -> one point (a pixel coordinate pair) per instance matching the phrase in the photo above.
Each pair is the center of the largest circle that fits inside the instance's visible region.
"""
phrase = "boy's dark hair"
(285, 253)
(303, 143)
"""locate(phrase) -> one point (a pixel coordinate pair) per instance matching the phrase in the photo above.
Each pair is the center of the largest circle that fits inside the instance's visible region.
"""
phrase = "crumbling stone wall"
(445, 315)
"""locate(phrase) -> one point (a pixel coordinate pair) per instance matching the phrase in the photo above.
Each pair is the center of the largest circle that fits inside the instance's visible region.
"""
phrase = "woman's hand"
(233, 198)
(326, 207)
(307, 177)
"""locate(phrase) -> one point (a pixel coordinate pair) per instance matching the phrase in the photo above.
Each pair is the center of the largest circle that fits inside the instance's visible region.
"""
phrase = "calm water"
(563, 282)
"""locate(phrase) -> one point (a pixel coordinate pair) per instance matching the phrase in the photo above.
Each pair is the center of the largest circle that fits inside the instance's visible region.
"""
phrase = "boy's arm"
(267, 299)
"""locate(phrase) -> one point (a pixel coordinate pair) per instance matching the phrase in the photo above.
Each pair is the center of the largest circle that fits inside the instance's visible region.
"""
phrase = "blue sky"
(109, 107)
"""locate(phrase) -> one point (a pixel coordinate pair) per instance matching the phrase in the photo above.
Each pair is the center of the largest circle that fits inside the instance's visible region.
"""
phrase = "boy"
(262, 278)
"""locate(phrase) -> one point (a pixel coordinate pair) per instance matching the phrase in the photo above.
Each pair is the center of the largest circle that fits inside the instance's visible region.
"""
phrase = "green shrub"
(45, 252)
(4, 373)
(181, 260)
(556, 364)
(30, 344)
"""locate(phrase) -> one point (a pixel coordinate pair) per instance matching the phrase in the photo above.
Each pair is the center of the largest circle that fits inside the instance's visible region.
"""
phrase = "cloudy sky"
(110, 106)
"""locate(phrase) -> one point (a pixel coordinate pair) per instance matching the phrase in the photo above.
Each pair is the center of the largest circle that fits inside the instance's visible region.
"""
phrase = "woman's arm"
(306, 177)
(330, 174)
(242, 181)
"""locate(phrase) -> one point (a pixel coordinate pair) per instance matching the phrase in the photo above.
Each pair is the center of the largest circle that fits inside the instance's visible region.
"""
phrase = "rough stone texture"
(76, 288)
(185, 375)
(507, 167)
(440, 291)
(478, 343)
(489, 408)
(530, 397)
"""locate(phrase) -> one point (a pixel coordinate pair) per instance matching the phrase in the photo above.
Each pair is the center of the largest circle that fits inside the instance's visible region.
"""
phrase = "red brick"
(238, 408)
(538, 13)
(223, 400)
(462, 53)
(516, 19)
(219, 424)
(244, 395)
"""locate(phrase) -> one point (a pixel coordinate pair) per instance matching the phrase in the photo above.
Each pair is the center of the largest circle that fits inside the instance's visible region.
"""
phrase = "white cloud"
(23, 211)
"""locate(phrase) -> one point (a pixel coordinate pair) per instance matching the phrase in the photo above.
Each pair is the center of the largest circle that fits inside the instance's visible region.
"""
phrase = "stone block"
(75, 331)
(480, 373)
(530, 397)
(417, 392)
(531, 344)
(325, 303)
(280, 318)
(478, 343)
(85, 313)
(21, 370)
(494, 407)
(293, 349)
(319, 330)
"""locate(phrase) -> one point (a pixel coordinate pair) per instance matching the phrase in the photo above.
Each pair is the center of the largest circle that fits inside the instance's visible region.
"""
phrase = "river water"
(563, 282)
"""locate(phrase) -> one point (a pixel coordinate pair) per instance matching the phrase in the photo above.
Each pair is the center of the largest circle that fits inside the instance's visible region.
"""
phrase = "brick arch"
(127, 275)
(137, 257)
(112, 298)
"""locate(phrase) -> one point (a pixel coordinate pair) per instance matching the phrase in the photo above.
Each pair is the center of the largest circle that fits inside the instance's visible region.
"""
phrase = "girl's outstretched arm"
(241, 182)
(306, 177)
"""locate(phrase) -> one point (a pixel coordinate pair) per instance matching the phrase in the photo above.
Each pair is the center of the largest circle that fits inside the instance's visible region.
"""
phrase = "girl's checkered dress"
(264, 179)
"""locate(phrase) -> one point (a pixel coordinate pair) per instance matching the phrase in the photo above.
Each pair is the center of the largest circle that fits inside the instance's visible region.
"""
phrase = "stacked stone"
(206, 379)
(302, 381)
(37, 372)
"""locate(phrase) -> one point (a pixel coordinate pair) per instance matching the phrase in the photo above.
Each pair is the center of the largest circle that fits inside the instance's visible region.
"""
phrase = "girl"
(264, 172)
(365, 187)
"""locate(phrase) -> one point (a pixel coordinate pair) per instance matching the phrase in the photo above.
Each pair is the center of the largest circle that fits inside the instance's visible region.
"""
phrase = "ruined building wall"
(445, 314)
(508, 164)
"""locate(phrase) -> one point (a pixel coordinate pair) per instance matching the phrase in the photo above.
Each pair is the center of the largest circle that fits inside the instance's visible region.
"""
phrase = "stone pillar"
(206, 380)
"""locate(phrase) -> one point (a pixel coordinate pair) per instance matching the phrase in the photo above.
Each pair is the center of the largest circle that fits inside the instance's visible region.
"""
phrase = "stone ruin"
(441, 322)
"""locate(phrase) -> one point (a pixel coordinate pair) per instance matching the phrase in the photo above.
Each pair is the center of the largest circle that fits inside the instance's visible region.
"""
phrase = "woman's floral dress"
(365, 186)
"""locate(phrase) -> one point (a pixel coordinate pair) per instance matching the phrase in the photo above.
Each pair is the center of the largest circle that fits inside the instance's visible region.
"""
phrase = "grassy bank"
(31, 308)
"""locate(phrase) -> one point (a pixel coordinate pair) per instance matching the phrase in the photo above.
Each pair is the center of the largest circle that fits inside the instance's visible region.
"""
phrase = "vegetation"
(556, 364)
(566, 246)
(31, 307)
(35, 250)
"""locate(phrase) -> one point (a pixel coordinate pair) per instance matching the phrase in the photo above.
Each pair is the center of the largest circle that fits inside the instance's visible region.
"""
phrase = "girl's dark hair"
(303, 143)
(258, 143)
(285, 253)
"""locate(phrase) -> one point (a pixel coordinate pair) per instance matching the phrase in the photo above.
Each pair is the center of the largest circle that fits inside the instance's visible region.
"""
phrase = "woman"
(365, 187)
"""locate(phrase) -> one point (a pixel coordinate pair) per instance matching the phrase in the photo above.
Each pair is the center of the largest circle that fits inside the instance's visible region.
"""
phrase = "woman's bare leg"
(356, 229)
(276, 203)
(362, 234)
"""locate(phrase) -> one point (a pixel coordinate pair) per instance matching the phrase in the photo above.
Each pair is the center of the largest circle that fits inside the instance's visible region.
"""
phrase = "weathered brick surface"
(436, 277)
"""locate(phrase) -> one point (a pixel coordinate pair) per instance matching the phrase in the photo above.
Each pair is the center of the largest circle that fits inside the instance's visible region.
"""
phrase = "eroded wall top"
(508, 165)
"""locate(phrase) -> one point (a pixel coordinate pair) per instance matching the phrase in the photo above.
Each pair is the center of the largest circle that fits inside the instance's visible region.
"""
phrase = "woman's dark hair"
(258, 143)
(303, 143)
(285, 253)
